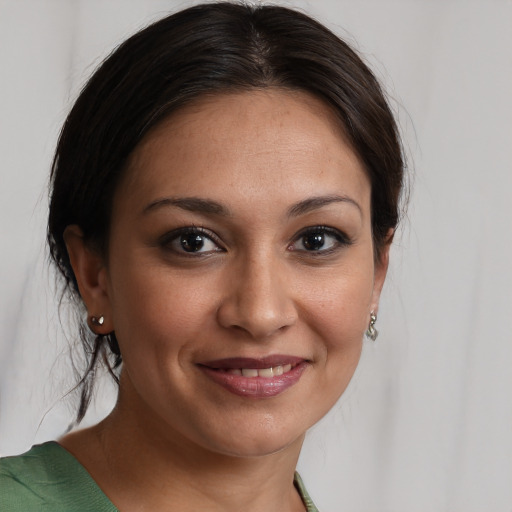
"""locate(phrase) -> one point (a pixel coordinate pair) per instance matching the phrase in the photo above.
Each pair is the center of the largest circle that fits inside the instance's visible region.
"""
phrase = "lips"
(256, 378)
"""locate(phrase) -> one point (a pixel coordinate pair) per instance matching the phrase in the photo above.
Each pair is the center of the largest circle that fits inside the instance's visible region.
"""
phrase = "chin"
(257, 448)
(256, 437)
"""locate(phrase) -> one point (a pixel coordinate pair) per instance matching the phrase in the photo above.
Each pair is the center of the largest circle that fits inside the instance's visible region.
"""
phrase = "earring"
(97, 320)
(372, 333)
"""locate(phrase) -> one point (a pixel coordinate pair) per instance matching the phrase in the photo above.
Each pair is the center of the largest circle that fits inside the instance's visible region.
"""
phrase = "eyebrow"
(315, 203)
(200, 205)
(191, 204)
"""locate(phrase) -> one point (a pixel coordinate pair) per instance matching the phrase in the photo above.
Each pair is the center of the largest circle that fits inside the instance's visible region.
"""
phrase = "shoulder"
(47, 478)
(21, 479)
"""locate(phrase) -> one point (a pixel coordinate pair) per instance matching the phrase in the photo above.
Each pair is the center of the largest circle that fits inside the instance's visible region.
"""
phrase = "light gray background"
(426, 424)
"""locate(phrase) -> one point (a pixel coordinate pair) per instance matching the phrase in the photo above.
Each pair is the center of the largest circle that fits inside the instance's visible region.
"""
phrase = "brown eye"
(191, 240)
(192, 243)
(313, 242)
(319, 240)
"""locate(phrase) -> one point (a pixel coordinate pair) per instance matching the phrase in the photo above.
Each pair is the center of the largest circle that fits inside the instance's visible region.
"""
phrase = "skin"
(254, 290)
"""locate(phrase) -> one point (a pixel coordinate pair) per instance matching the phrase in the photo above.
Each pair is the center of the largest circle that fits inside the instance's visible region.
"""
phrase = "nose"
(258, 298)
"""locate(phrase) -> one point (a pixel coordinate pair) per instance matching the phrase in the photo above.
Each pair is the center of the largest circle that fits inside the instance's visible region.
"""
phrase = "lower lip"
(256, 387)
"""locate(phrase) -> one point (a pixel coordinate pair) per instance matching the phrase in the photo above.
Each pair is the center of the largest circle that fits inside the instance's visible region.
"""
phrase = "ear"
(91, 274)
(381, 269)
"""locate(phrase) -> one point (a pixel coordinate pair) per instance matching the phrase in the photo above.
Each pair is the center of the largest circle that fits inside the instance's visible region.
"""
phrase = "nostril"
(257, 323)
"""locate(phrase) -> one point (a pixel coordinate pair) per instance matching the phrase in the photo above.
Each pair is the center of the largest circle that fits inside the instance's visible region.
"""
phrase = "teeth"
(249, 372)
(263, 372)
(266, 372)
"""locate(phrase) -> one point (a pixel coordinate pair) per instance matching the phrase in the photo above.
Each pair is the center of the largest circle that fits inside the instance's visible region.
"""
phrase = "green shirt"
(48, 478)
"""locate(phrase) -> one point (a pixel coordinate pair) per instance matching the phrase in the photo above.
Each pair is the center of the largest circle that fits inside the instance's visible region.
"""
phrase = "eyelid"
(170, 236)
(343, 240)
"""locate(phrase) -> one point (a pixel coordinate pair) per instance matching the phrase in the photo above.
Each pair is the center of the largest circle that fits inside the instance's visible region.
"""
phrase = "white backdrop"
(426, 423)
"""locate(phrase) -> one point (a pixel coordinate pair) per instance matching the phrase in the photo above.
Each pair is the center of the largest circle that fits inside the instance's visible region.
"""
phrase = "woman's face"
(240, 273)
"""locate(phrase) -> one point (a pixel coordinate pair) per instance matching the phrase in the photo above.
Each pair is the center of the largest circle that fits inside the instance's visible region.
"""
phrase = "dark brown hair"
(208, 49)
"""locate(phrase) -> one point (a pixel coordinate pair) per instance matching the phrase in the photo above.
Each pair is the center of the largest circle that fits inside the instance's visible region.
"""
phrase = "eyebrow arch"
(197, 204)
(191, 204)
(314, 203)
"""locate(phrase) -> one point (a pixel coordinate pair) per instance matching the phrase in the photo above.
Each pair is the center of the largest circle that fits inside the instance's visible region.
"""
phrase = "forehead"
(251, 145)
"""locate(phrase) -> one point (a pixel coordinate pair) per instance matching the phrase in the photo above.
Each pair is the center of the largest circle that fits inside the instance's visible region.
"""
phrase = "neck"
(140, 465)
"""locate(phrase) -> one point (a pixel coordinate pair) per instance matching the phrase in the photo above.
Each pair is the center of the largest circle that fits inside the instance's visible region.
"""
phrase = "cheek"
(338, 313)
(340, 307)
(159, 308)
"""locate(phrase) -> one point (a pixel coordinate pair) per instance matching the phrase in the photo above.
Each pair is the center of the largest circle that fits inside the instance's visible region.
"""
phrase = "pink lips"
(226, 373)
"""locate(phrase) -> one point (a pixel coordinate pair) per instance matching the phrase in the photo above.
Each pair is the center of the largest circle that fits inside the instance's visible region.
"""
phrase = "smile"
(256, 378)
(264, 372)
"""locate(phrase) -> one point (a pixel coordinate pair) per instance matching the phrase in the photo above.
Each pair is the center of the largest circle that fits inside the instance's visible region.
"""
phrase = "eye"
(319, 239)
(191, 240)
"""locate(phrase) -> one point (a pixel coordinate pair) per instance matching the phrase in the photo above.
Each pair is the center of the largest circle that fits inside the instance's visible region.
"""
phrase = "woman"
(225, 193)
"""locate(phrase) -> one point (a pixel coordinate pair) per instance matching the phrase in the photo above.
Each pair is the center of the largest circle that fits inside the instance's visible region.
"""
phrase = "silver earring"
(371, 332)
(97, 320)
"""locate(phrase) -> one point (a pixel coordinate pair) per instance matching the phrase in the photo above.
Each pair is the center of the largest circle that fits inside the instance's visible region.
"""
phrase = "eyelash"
(166, 241)
(175, 235)
(341, 240)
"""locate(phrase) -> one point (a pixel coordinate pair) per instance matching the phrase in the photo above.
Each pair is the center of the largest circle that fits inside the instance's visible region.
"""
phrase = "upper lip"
(256, 363)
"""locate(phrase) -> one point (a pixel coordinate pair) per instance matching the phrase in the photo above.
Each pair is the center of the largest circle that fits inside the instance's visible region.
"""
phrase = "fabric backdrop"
(426, 423)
